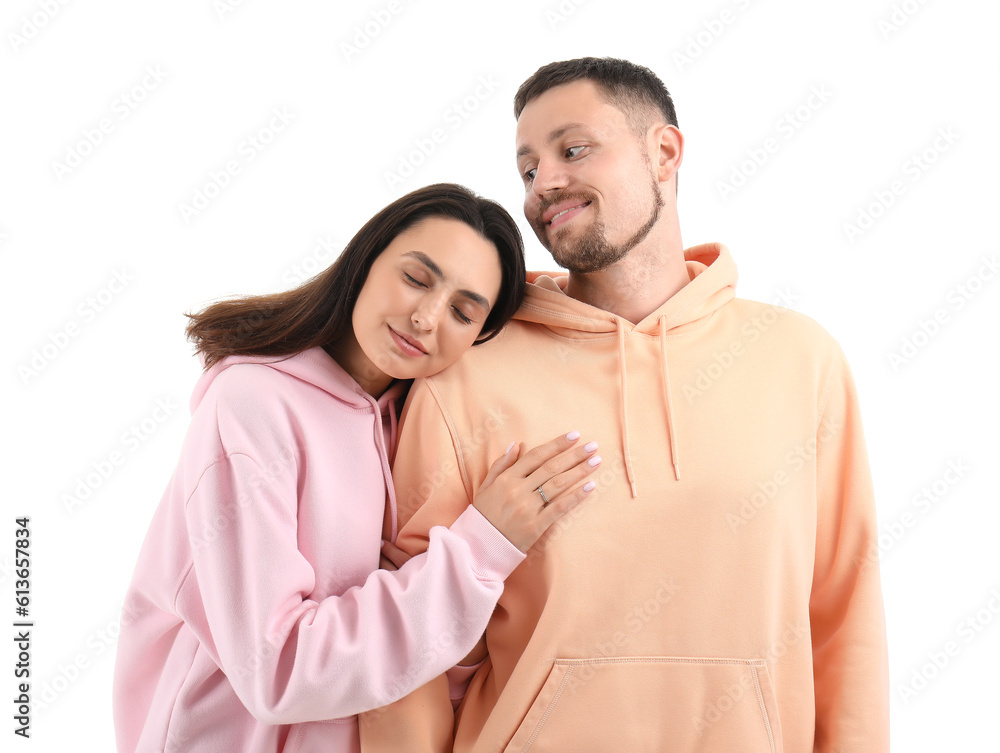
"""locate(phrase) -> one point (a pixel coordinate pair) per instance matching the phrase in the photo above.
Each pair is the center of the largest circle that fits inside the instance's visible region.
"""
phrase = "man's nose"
(550, 175)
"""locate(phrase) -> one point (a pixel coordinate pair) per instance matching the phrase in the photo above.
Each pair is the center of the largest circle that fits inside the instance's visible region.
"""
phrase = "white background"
(894, 77)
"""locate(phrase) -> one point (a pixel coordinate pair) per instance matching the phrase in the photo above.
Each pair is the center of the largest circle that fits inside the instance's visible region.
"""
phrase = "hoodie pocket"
(653, 703)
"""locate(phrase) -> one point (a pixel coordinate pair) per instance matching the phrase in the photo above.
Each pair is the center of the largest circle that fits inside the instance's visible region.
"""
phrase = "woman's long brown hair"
(318, 312)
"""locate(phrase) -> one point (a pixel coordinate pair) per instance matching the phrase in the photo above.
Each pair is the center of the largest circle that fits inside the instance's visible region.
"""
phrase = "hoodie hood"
(313, 366)
(316, 367)
(712, 275)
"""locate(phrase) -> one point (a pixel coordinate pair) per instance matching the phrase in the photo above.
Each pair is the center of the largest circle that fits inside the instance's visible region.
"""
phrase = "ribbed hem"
(493, 556)
(459, 677)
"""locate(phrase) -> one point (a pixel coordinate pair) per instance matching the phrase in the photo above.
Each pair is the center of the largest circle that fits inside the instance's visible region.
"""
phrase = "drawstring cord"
(667, 399)
(674, 457)
(623, 372)
(384, 455)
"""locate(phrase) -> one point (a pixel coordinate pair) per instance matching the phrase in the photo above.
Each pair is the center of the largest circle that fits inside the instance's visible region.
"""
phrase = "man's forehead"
(579, 97)
(574, 106)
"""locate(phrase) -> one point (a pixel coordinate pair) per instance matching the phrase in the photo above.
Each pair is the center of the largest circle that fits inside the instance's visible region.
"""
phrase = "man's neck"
(636, 286)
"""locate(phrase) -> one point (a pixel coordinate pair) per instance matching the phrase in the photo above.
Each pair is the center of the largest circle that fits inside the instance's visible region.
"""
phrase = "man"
(716, 592)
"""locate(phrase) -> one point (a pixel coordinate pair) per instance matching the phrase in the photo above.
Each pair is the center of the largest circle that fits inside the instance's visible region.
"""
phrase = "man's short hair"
(633, 89)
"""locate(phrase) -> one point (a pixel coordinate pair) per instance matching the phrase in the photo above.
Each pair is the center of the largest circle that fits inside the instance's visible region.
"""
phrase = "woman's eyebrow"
(436, 271)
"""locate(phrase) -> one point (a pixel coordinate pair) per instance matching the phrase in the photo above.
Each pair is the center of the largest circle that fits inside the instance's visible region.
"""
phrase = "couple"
(708, 586)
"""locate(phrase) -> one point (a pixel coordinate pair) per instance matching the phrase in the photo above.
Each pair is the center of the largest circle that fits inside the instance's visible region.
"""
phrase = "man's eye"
(574, 151)
(530, 174)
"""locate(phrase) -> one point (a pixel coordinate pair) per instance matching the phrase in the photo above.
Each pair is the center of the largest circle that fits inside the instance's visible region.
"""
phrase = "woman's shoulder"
(269, 379)
(247, 393)
(233, 378)
(240, 386)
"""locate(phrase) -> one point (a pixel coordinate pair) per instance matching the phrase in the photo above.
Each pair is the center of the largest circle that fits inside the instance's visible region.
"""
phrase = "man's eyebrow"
(436, 271)
(553, 135)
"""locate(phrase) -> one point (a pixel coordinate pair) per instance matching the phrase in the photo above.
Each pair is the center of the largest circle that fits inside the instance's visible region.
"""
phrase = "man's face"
(591, 193)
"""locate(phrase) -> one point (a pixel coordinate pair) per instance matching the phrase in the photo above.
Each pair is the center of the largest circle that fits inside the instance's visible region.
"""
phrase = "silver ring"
(545, 500)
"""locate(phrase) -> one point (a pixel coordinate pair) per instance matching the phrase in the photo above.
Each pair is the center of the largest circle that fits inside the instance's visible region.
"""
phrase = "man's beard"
(592, 252)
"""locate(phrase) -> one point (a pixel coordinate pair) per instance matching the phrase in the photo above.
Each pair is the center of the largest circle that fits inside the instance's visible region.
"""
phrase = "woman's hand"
(510, 499)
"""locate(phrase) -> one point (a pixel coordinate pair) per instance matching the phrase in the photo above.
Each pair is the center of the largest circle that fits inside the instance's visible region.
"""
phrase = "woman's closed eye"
(414, 281)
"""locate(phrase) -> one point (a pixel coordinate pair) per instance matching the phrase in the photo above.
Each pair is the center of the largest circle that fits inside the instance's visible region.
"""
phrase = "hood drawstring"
(391, 407)
(667, 399)
(674, 457)
(623, 372)
(385, 453)
(711, 284)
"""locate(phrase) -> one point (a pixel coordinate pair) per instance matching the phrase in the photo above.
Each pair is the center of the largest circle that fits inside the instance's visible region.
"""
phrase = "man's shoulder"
(793, 326)
(506, 348)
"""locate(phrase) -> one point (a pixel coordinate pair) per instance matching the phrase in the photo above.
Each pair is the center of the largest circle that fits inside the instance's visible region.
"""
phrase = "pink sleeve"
(291, 659)
(459, 678)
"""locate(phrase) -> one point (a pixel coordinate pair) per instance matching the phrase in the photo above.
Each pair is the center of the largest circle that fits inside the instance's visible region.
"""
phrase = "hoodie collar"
(313, 366)
(712, 283)
(316, 367)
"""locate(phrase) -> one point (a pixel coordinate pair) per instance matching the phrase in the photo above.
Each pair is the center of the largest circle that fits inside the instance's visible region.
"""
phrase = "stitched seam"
(455, 439)
(210, 466)
(556, 314)
(194, 490)
(548, 711)
(173, 705)
(826, 392)
(207, 468)
(763, 708)
(662, 660)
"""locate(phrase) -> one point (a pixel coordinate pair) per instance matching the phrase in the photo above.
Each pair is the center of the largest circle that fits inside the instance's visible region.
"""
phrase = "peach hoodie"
(257, 619)
(715, 593)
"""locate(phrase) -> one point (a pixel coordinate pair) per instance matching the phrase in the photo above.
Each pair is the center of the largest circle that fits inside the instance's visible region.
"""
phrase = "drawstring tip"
(677, 471)
(634, 495)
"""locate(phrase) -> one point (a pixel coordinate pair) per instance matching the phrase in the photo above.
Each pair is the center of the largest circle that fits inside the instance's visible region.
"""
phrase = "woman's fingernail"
(590, 446)
(573, 435)
(596, 460)
(509, 448)
(589, 486)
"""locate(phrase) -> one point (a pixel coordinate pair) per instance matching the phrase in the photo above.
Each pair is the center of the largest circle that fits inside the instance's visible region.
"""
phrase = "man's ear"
(668, 146)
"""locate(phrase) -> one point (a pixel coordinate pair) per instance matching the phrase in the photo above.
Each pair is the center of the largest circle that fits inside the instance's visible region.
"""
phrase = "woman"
(257, 618)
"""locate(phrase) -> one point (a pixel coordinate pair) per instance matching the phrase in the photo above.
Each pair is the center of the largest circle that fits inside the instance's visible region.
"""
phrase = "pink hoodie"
(258, 618)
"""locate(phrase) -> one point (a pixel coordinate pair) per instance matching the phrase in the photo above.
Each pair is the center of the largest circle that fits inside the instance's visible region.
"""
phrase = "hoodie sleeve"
(459, 678)
(850, 660)
(427, 499)
(292, 659)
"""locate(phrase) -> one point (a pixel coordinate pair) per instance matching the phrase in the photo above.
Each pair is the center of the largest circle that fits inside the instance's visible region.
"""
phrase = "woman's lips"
(408, 345)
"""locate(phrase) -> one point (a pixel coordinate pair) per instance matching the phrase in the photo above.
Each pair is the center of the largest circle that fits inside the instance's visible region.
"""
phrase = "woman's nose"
(428, 313)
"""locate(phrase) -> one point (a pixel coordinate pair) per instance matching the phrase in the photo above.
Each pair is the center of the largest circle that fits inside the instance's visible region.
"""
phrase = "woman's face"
(423, 304)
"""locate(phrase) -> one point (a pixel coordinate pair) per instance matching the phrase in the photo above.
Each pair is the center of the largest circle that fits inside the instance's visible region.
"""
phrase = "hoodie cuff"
(493, 556)
(459, 678)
